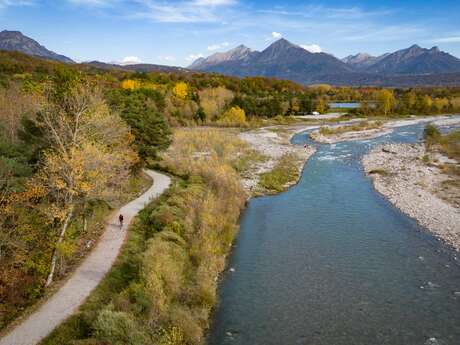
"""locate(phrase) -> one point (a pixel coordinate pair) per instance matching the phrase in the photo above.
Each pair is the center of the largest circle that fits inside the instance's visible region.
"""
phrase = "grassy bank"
(361, 126)
(447, 145)
(284, 173)
(163, 288)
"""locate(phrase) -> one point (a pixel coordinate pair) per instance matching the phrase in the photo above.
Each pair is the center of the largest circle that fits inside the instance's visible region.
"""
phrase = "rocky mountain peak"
(16, 41)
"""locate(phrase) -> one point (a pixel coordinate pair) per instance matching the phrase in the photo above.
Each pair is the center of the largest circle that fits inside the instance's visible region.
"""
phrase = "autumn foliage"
(180, 90)
(130, 84)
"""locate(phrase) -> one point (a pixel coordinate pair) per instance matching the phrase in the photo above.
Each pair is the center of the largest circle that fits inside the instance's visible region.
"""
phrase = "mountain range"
(283, 59)
(414, 66)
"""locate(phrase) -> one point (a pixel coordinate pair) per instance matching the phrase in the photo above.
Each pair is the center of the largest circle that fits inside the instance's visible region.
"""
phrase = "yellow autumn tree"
(130, 84)
(321, 106)
(426, 103)
(89, 155)
(180, 90)
(440, 103)
(235, 116)
(214, 100)
(386, 100)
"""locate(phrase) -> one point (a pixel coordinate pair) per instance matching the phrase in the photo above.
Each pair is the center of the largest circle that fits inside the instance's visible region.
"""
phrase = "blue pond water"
(348, 105)
(332, 262)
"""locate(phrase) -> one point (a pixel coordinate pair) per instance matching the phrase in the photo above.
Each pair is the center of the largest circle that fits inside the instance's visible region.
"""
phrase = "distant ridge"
(416, 60)
(135, 67)
(16, 41)
(283, 59)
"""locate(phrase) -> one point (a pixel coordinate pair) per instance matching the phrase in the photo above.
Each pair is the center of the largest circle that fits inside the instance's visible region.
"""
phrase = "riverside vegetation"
(163, 288)
(73, 140)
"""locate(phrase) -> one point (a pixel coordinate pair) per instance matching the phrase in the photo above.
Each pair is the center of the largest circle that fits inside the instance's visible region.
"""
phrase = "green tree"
(149, 126)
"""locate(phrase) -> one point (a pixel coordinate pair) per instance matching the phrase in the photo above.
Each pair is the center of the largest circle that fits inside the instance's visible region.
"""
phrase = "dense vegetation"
(65, 161)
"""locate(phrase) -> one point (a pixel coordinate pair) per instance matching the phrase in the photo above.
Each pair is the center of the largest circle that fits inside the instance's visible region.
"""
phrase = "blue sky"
(176, 32)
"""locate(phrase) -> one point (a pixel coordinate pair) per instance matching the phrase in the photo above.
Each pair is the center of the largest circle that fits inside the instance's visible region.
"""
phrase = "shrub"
(119, 328)
(130, 84)
(235, 116)
(382, 172)
(285, 171)
(180, 90)
(431, 134)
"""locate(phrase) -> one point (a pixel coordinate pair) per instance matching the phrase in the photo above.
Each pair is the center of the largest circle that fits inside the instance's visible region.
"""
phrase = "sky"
(177, 32)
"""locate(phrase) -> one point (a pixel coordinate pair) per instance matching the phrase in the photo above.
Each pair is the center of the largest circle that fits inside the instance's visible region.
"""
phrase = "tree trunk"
(55, 253)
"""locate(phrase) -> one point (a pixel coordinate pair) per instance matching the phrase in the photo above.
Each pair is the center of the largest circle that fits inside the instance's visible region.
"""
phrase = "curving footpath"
(87, 276)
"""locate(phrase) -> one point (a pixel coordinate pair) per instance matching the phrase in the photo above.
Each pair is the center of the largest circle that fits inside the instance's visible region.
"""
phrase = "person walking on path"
(120, 219)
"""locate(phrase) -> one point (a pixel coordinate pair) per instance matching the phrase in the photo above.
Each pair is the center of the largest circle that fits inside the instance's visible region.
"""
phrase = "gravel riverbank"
(386, 128)
(421, 190)
(273, 143)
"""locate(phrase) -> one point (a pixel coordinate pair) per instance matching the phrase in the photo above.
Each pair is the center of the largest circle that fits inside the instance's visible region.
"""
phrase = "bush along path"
(87, 276)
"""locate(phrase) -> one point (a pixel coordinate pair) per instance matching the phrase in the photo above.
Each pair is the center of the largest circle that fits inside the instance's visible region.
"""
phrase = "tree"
(386, 99)
(426, 103)
(234, 116)
(214, 100)
(440, 104)
(321, 106)
(431, 134)
(180, 90)
(149, 126)
(130, 84)
(13, 105)
(89, 154)
(200, 115)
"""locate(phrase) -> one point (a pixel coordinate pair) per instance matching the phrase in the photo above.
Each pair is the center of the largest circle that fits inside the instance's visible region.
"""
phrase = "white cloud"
(450, 39)
(130, 60)
(213, 2)
(218, 46)
(193, 57)
(386, 33)
(99, 3)
(168, 58)
(312, 48)
(186, 11)
(276, 34)
(8, 3)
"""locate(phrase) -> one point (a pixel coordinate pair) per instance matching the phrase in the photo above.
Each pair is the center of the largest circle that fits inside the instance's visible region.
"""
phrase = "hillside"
(16, 41)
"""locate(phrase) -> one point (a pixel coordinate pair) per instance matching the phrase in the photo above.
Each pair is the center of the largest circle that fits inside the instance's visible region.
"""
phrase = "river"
(331, 262)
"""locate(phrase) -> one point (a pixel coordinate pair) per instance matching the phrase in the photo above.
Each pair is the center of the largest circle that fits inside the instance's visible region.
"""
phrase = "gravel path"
(87, 276)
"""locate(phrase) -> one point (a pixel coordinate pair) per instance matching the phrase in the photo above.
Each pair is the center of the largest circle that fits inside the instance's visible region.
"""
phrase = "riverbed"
(330, 261)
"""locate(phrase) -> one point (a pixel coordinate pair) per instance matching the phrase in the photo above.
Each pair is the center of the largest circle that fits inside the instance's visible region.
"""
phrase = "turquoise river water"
(331, 262)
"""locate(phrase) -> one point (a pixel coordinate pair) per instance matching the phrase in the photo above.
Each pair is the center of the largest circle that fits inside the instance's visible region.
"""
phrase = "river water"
(331, 262)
